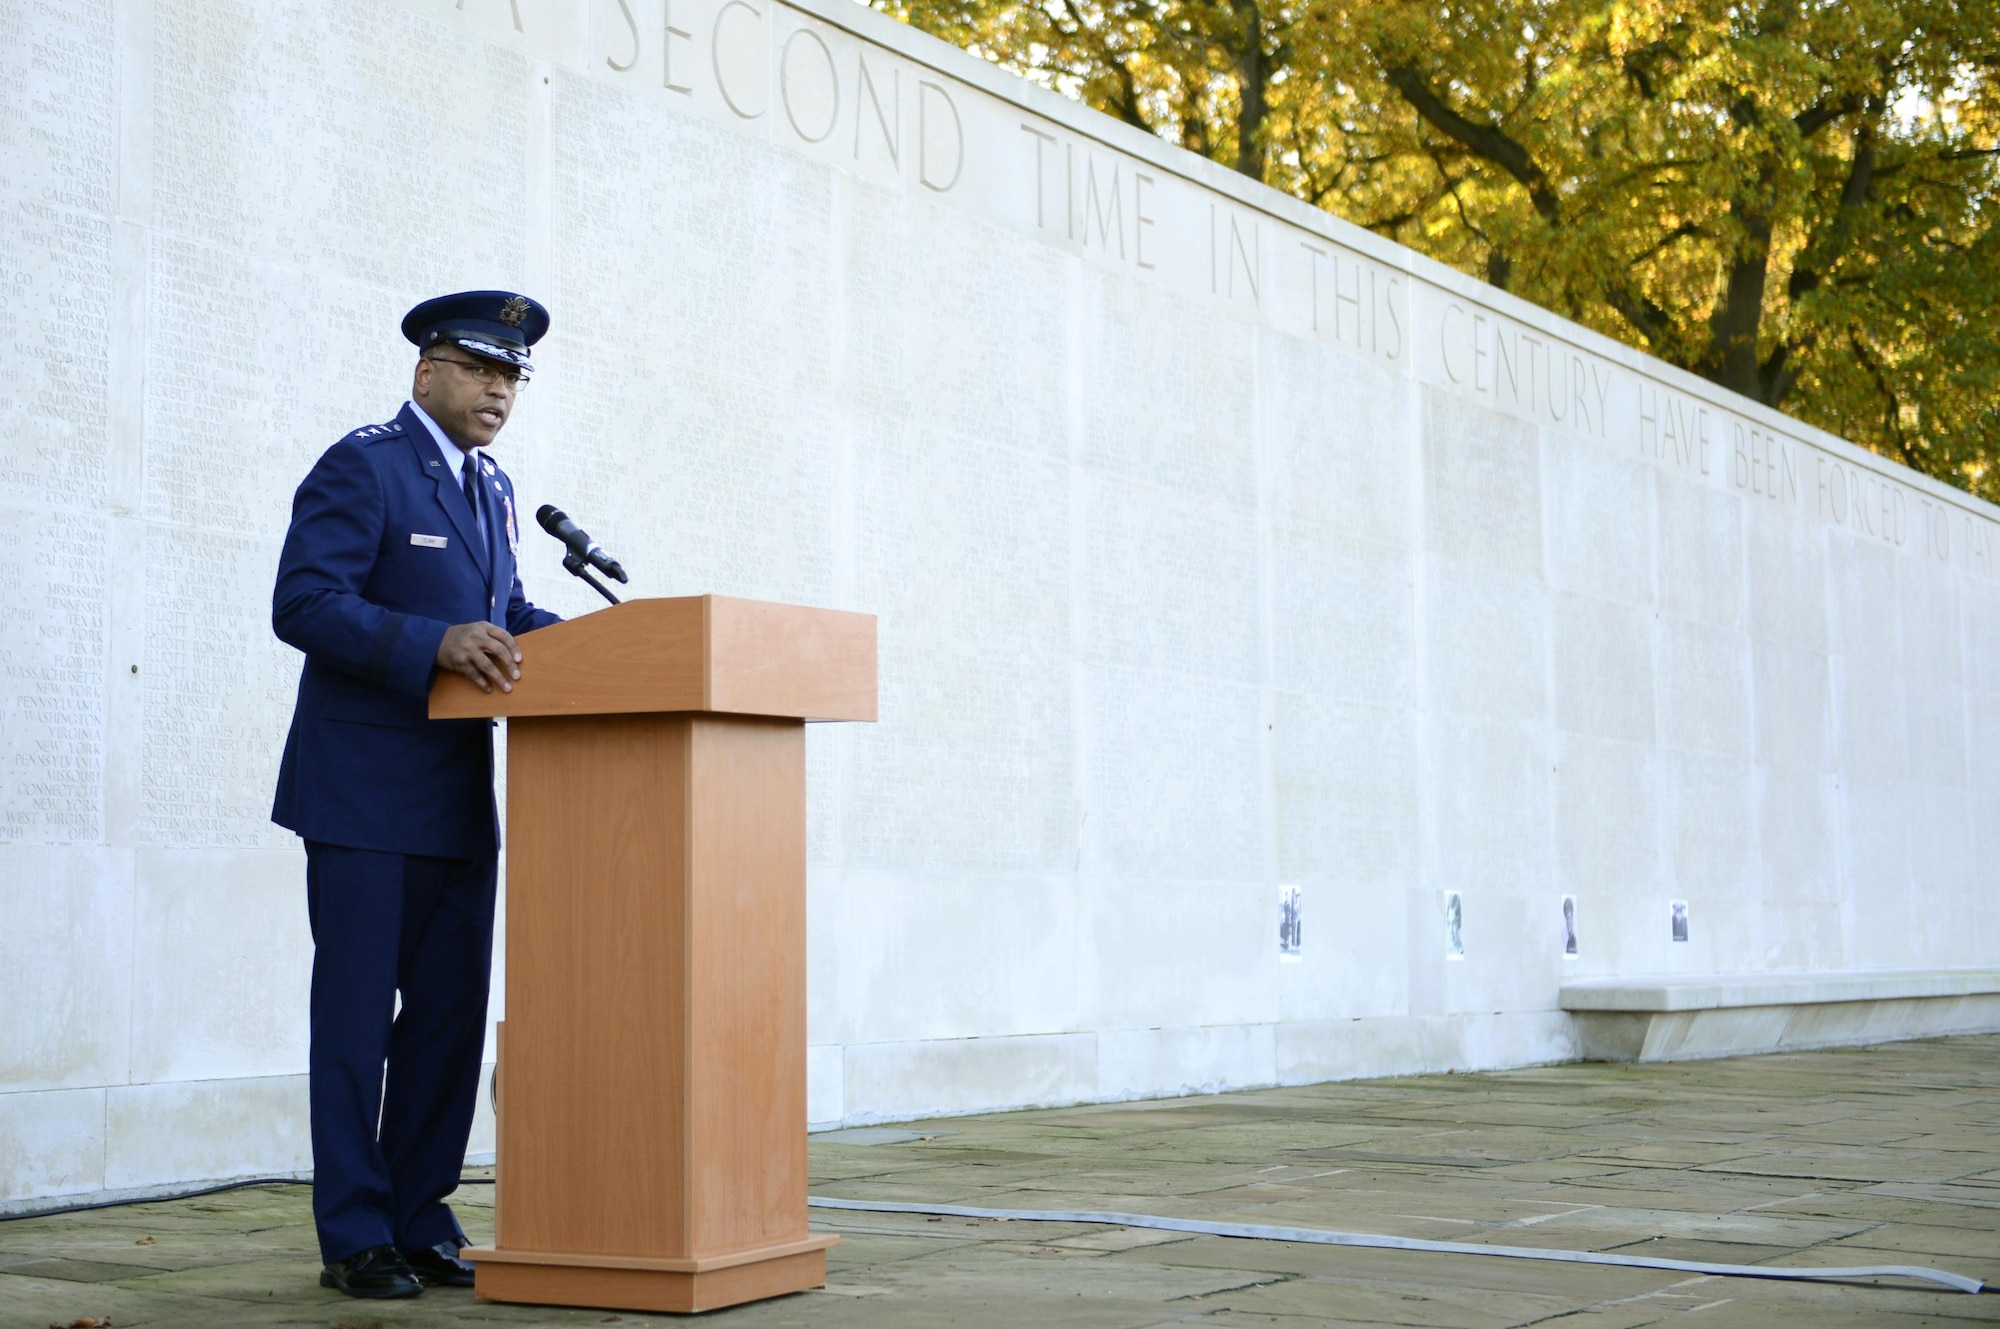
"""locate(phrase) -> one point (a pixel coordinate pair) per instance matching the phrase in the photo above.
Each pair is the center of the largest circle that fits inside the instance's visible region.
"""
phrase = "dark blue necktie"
(470, 473)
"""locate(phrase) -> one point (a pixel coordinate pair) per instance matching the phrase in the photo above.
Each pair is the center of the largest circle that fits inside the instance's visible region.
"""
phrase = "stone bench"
(1679, 1018)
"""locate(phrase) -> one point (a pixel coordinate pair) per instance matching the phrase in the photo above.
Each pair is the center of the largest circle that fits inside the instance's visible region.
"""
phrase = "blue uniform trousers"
(393, 1092)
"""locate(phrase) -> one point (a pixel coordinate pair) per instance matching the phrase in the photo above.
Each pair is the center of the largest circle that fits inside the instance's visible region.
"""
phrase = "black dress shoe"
(376, 1272)
(438, 1264)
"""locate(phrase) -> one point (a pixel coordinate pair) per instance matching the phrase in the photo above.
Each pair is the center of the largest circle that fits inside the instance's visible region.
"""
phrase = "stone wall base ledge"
(1795, 1027)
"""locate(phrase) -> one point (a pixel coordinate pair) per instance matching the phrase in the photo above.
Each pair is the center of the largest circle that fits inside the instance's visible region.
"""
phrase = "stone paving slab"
(1887, 1155)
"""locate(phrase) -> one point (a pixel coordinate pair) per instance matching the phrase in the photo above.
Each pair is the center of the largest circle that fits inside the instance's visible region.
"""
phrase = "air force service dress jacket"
(384, 555)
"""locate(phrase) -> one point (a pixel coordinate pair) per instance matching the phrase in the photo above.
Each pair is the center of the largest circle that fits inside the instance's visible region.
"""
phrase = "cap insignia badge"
(514, 310)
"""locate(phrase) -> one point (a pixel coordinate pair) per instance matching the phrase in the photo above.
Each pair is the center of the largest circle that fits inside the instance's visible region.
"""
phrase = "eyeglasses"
(485, 373)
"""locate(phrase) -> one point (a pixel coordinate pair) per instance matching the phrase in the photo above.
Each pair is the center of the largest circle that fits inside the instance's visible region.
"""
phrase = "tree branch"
(1652, 322)
(1681, 232)
(1251, 75)
(1641, 67)
(1128, 98)
(1821, 114)
(1485, 140)
(1892, 411)
(1780, 369)
(1832, 243)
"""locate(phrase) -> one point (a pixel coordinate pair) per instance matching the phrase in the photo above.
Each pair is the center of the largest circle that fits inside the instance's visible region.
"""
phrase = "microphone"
(557, 523)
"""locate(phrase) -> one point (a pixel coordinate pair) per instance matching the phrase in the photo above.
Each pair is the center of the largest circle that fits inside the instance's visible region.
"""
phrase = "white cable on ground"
(1321, 1237)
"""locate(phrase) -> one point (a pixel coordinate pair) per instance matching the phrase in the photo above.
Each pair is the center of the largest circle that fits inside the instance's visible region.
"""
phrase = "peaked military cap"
(499, 325)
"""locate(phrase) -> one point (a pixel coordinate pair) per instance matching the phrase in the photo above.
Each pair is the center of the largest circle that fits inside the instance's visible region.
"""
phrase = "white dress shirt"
(454, 456)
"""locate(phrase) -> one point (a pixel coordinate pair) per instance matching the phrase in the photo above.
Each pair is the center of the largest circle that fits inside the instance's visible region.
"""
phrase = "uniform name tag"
(429, 541)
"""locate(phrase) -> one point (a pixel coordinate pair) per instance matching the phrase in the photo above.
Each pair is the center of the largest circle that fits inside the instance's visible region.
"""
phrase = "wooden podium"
(651, 1082)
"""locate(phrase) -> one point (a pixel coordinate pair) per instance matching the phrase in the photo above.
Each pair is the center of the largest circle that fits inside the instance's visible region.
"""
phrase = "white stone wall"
(1216, 546)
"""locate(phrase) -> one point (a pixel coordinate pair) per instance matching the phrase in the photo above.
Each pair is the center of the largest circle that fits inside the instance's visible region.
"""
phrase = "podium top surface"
(709, 653)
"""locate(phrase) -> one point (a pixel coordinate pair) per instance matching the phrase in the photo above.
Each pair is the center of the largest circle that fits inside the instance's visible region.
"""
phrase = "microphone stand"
(576, 567)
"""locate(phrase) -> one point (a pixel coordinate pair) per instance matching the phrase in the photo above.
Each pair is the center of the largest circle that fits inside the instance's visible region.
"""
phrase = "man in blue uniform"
(400, 561)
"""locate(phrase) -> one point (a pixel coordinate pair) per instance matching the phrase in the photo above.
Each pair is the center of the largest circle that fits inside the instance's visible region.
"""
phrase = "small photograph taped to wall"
(1291, 930)
(1454, 926)
(1680, 920)
(1569, 927)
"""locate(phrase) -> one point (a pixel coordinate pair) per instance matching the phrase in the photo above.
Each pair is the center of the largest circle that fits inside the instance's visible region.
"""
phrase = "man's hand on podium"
(483, 652)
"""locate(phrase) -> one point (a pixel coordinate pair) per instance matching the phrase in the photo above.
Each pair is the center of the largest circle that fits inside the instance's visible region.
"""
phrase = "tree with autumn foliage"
(1792, 198)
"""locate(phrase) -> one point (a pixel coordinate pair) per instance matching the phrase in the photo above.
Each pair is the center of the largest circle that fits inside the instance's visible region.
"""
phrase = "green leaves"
(1791, 197)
